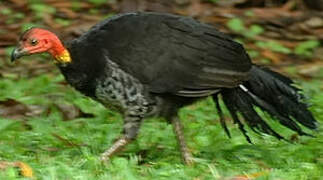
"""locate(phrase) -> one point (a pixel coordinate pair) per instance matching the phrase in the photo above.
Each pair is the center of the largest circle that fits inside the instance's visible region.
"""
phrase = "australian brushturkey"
(151, 64)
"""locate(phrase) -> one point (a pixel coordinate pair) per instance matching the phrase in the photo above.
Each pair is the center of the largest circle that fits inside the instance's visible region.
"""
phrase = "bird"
(149, 64)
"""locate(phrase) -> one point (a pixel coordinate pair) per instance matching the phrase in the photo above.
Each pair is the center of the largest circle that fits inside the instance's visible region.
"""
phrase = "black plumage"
(159, 49)
(152, 64)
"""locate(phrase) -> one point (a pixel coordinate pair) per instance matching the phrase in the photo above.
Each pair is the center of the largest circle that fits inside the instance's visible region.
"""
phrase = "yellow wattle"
(63, 57)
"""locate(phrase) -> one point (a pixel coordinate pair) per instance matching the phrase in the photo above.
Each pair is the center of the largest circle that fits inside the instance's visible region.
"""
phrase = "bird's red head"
(37, 40)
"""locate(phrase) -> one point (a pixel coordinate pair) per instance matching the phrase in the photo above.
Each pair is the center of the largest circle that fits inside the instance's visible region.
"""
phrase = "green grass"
(154, 155)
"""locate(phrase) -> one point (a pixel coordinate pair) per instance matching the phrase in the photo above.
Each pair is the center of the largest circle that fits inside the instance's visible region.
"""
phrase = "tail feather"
(284, 120)
(272, 93)
(280, 92)
(233, 111)
(220, 113)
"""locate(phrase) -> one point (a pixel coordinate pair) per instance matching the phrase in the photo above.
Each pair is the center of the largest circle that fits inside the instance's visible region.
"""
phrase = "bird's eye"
(33, 42)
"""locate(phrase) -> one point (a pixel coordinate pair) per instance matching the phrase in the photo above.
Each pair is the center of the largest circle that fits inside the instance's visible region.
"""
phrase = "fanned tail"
(272, 93)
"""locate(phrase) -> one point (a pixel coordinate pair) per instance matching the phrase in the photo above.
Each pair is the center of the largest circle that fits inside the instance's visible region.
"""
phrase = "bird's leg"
(130, 130)
(116, 147)
(178, 129)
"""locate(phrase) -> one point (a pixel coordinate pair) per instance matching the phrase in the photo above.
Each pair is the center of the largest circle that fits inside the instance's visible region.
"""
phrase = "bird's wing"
(172, 54)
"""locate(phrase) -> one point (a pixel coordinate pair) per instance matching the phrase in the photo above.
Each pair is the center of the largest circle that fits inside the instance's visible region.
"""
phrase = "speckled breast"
(120, 91)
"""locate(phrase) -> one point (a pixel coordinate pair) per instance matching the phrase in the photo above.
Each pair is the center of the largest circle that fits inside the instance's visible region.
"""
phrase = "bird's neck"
(59, 52)
(63, 57)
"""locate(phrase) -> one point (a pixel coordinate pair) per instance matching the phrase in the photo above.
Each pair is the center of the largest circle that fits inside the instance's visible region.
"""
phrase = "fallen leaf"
(146, 5)
(25, 169)
(274, 57)
(230, 3)
(71, 112)
(19, 3)
(196, 8)
(67, 13)
(13, 109)
(67, 4)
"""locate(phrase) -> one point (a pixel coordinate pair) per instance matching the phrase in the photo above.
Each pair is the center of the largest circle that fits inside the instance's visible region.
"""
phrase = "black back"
(168, 53)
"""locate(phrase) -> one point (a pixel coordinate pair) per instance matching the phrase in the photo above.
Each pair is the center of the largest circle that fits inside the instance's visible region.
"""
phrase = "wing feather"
(172, 54)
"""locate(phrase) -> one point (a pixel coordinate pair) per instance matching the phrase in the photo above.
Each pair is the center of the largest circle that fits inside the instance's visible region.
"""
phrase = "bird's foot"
(116, 147)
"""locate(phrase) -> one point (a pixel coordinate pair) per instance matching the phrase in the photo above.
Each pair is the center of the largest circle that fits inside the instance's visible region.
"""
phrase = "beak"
(17, 53)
